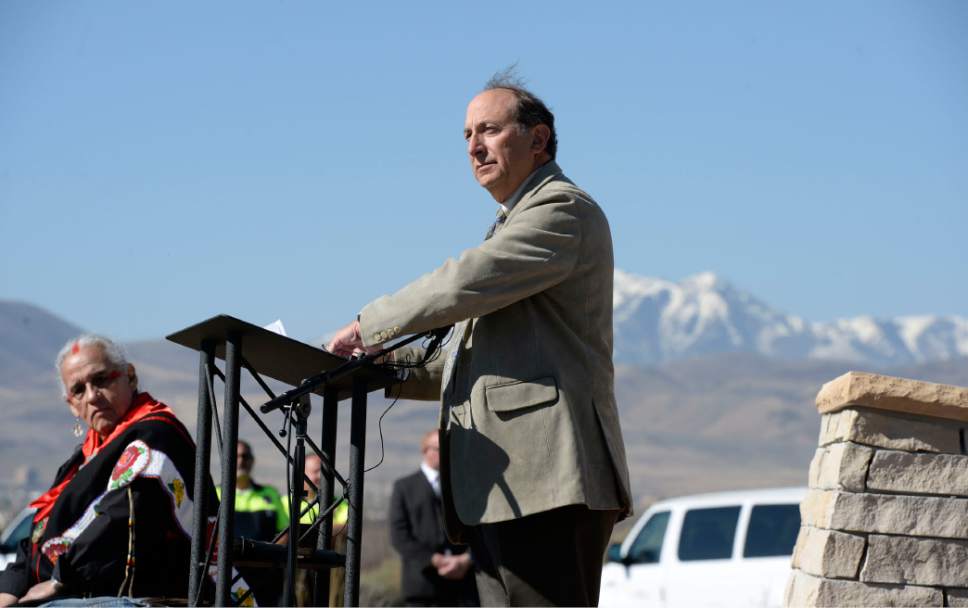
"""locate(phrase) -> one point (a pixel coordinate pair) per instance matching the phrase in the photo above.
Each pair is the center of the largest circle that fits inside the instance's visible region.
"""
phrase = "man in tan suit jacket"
(533, 465)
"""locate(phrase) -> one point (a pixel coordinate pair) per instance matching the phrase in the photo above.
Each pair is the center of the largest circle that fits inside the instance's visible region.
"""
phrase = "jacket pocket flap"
(519, 395)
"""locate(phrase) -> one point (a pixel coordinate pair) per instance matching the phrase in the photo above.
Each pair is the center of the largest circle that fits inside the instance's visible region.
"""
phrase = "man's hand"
(42, 591)
(347, 341)
(454, 567)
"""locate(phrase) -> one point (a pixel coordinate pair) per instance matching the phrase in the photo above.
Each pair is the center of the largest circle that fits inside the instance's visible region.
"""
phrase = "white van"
(17, 530)
(725, 549)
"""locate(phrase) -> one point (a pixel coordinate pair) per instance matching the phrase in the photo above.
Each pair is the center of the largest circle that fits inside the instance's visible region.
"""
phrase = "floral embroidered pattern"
(38, 532)
(132, 462)
(56, 547)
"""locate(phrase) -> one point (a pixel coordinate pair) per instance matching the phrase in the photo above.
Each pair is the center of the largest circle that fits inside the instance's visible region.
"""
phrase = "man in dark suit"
(435, 572)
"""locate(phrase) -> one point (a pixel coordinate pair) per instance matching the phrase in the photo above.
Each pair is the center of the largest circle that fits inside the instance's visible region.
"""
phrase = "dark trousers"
(552, 558)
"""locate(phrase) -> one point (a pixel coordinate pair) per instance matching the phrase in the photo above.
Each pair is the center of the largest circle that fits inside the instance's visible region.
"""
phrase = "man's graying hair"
(531, 110)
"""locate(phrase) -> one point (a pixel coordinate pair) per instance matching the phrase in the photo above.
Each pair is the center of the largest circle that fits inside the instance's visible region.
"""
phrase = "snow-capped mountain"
(658, 320)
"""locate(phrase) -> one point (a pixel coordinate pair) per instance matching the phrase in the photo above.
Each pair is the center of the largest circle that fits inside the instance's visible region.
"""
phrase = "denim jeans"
(103, 601)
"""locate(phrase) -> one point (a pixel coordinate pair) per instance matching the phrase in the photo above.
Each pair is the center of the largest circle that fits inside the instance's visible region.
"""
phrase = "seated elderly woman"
(117, 519)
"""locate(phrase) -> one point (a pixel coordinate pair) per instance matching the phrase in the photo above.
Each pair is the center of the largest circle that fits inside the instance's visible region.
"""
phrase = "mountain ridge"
(657, 320)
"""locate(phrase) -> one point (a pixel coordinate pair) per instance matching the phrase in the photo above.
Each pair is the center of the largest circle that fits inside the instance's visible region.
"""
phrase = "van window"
(648, 544)
(21, 531)
(773, 530)
(708, 533)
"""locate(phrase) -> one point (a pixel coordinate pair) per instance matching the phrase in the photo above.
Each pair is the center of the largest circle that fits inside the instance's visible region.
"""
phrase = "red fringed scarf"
(143, 405)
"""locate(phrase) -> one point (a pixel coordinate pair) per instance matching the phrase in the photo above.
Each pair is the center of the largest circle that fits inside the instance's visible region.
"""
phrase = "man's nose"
(474, 146)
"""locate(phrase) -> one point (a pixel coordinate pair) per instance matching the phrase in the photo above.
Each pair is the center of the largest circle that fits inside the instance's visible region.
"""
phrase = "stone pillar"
(885, 522)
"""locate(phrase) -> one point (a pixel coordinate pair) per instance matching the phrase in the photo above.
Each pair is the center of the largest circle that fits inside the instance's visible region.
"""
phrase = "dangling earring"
(78, 429)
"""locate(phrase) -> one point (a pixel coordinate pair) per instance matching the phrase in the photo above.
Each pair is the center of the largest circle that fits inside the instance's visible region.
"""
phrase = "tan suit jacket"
(529, 421)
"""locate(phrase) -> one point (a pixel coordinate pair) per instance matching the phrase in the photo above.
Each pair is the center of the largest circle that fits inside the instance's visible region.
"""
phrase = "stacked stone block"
(885, 522)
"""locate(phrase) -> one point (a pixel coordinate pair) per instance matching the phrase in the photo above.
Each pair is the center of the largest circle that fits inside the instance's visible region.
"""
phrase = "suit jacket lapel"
(541, 177)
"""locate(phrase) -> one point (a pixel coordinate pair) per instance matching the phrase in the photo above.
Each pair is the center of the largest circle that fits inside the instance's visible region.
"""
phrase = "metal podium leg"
(354, 527)
(230, 440)
(299, 413)
(327, 445)
(203, 454)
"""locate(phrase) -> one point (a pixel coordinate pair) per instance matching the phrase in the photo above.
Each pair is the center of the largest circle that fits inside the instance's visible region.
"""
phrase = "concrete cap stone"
(894, 394)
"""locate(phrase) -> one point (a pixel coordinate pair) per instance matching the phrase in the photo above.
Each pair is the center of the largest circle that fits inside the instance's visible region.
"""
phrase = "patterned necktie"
(501, 216)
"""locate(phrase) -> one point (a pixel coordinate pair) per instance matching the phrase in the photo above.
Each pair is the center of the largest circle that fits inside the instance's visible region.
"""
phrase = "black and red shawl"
(118, 518)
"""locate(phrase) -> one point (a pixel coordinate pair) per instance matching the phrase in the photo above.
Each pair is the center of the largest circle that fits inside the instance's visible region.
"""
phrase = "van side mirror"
(641, 556)
(614, 553)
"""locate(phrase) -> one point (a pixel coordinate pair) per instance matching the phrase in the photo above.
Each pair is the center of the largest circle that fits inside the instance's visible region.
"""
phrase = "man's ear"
(540, 134)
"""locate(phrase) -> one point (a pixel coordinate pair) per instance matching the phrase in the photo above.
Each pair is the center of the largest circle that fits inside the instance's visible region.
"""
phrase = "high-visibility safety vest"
(259, 512)
(340, 514)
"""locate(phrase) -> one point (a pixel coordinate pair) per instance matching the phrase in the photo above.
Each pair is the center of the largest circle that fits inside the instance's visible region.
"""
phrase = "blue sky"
(161, 162)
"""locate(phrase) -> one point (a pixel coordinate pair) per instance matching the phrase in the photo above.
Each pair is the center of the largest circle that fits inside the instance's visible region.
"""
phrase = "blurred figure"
(259, 515)
(259, 512)
(314, 471)
(337, 576)
(434, 571)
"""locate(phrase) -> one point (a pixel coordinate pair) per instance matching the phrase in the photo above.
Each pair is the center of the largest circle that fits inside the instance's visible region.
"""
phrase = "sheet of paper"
(276, 327)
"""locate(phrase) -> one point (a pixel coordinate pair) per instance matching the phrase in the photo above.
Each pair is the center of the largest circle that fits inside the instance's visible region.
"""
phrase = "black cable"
(379, 426)
(433, 346)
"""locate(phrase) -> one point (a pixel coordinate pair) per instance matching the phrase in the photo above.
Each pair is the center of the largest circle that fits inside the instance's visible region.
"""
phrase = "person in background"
(310, 510)
(259, 512)
(259, 515)
(434, 572)
(118, 518)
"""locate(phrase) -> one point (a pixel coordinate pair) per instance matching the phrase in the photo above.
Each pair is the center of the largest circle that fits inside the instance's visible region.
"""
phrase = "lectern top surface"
(275, 355)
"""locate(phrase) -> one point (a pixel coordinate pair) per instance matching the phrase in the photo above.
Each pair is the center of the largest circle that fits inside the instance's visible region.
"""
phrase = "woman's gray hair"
(112, 351)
